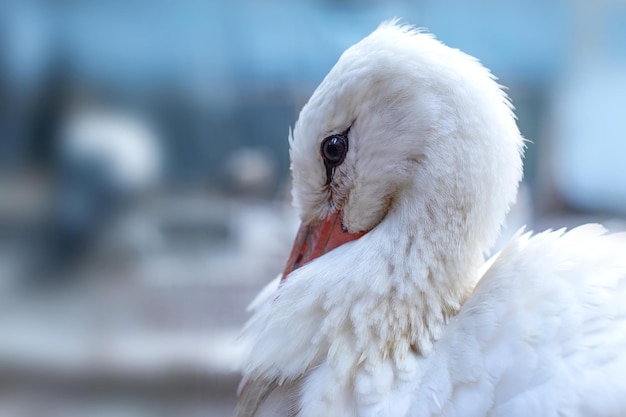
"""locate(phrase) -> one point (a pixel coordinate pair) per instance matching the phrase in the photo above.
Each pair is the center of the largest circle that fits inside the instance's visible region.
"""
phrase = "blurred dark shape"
(48, 111)
(107, 161)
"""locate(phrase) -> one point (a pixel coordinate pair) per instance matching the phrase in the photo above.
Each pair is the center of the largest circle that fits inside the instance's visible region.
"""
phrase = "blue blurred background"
(144, 172)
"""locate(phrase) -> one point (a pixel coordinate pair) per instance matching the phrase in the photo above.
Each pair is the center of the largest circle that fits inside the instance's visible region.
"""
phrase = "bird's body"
(411, 148)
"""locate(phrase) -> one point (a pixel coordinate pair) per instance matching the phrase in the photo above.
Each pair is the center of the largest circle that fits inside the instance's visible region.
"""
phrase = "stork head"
(403, 124)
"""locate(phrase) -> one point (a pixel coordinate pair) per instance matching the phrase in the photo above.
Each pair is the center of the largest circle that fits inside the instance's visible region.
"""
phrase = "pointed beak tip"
(315, 239)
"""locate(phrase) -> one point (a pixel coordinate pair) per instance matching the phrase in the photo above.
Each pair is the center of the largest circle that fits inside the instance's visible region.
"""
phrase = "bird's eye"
(334, 150)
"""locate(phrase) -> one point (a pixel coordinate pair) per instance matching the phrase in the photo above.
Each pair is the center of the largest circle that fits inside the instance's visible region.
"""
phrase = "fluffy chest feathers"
(358, 305)
(541, 331)
(404, 163)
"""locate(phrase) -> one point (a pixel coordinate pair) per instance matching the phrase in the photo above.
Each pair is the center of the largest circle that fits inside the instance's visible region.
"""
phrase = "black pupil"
(334, 150)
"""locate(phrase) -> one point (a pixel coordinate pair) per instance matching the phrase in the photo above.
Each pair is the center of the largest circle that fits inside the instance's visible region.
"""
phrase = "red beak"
(314, 240)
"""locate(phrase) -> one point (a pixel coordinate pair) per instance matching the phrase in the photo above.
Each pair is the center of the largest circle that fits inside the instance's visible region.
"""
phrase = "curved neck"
(428, 267)
(382, 296)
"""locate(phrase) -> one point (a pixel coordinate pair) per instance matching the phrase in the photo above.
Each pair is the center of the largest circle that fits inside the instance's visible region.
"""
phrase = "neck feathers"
(367, 301)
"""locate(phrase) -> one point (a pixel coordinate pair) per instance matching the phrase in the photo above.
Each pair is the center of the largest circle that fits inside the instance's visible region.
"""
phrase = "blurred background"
(144, 184)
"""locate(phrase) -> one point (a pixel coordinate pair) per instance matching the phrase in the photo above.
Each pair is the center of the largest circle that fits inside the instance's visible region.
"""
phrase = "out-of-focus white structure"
(123, 146)
(108, 162)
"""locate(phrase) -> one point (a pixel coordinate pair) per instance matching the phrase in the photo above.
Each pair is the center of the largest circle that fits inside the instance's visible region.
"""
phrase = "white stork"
(405, 161)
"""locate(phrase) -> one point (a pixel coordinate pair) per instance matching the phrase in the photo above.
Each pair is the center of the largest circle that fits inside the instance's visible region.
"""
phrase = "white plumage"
(406, 318)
